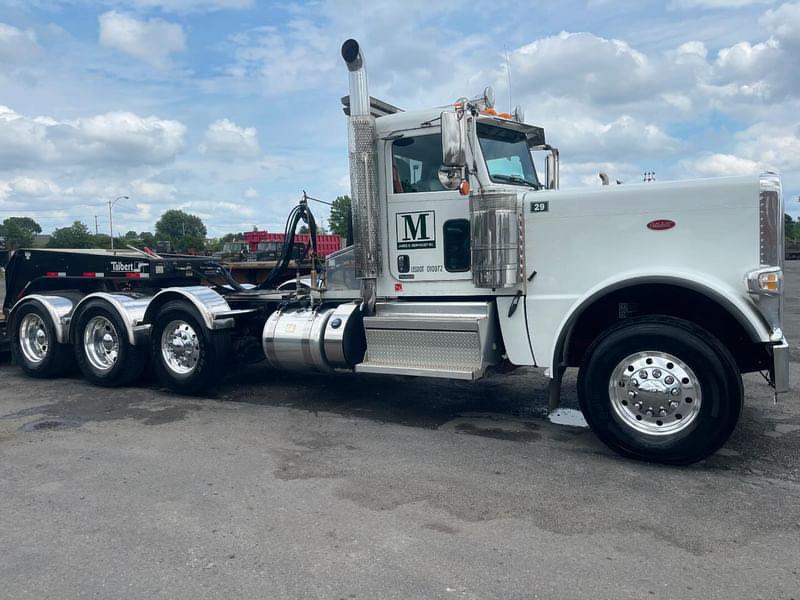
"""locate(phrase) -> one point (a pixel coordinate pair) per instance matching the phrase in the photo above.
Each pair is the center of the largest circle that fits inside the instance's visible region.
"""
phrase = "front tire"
(187, 356)
(660, 389)
(103, 352)
(34, 344)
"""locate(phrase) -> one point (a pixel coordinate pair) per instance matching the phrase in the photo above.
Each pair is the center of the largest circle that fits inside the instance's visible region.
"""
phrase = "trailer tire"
(660, 389)
(188, 357)
(34, 344)
(103, 352)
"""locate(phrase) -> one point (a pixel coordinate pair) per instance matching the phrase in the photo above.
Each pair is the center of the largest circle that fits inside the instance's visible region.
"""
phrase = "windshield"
(507, 155)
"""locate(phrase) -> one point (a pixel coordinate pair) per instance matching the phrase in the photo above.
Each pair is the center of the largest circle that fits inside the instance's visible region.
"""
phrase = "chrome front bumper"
(780, 367)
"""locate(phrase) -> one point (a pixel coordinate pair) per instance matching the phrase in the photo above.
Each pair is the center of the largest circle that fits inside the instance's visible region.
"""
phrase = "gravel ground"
(286, 486)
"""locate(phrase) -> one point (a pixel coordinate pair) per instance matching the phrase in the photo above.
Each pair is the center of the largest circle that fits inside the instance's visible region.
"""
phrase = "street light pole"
(111, 204)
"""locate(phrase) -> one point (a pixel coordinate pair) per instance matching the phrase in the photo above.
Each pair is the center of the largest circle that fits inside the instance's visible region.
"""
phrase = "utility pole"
(111, 204)
(96, 230)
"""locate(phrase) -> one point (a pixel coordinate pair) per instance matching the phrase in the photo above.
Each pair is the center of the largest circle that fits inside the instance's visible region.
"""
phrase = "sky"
(229, 109)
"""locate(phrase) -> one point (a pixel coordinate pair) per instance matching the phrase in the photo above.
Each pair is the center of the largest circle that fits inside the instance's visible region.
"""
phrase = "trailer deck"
(256, 272)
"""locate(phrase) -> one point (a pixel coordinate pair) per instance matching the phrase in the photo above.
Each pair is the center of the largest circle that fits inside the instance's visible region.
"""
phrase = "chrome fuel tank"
(302, 339)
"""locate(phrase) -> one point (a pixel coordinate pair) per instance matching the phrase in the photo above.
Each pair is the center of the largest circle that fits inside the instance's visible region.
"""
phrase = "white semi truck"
(465, 263)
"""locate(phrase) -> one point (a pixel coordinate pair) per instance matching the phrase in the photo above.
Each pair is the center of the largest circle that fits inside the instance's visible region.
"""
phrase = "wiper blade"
(515, 179)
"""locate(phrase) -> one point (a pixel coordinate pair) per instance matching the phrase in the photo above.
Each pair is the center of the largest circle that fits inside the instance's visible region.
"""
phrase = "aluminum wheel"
(180, 347)
(654, 393)
(101, 343)
(33, 339)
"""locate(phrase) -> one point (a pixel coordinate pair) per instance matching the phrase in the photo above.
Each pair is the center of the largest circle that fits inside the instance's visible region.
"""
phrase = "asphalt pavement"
(344, 487)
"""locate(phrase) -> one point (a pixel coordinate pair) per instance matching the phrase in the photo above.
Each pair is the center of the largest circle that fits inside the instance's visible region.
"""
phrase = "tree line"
(791, 227)
(186, 232)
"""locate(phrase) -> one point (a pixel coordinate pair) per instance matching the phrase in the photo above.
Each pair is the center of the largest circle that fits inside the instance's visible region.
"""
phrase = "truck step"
(453, 340)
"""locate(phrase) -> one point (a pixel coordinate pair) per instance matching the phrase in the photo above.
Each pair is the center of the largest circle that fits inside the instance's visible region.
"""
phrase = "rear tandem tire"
(188, 358)
(116, 364)
(36, 349)
(660, 389)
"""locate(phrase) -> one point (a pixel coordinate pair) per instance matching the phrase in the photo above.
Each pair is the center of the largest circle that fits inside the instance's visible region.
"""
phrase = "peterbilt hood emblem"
(661, 224)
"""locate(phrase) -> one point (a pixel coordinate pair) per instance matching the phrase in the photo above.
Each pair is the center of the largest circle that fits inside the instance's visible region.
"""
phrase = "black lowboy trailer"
(113, 312)
(98, 308)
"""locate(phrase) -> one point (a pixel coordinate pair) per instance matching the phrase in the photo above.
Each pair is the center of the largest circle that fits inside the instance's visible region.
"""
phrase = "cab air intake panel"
(363, 176)
(498, 240)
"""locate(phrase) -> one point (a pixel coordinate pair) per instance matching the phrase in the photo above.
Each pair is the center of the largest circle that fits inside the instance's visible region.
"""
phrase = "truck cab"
(427, 229)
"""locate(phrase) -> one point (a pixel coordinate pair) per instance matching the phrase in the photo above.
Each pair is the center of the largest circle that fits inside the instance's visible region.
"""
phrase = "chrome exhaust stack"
(363, 176)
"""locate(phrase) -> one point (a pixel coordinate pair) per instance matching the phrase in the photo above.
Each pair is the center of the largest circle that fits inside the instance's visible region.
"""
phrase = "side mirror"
(453, 153)
(450, 177)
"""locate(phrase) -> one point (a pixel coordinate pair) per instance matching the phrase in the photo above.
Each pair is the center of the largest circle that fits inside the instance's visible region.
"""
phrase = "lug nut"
(674, 391)
(673, 404)
(669, 380)
(662, 412)
(643, 374)
(657, 373)
(635, 382)
(637, 405)
(632, 394)
(649, 412)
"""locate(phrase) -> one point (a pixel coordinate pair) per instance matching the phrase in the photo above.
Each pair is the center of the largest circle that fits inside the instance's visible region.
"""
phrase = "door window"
(456, 245)
(415, 164)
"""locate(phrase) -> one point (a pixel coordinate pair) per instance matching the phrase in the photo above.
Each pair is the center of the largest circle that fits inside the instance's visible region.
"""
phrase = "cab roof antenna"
(508, 75)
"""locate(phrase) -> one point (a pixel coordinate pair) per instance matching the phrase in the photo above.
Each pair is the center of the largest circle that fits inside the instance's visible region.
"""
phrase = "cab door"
(428, 225)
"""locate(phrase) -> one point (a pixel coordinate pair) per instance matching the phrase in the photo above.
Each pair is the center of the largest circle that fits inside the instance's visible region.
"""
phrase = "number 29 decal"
(540, 207)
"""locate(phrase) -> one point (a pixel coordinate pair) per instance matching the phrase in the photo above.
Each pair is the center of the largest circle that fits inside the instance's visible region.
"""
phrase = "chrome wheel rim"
(33, 339)
(180, 347)
(101, 343)
(654, 393)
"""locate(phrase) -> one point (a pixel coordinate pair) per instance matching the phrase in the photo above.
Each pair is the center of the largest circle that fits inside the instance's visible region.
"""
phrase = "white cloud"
(117, 137)
(624, 138)
(32, 186)
(767, 70)
(27, 188)
(152, 41)
(720, 165)
(773, 146)
(783, 22)
(153, 190)
(291, 58)
(583, 65)
(17, 46)
(250, 193)
(224, 138)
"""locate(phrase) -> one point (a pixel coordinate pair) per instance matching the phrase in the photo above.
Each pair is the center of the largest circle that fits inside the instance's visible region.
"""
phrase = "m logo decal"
(416, 230)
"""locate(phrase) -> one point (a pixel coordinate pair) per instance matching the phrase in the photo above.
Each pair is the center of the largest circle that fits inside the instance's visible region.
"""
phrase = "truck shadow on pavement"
(513, 408)
(411, 401)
